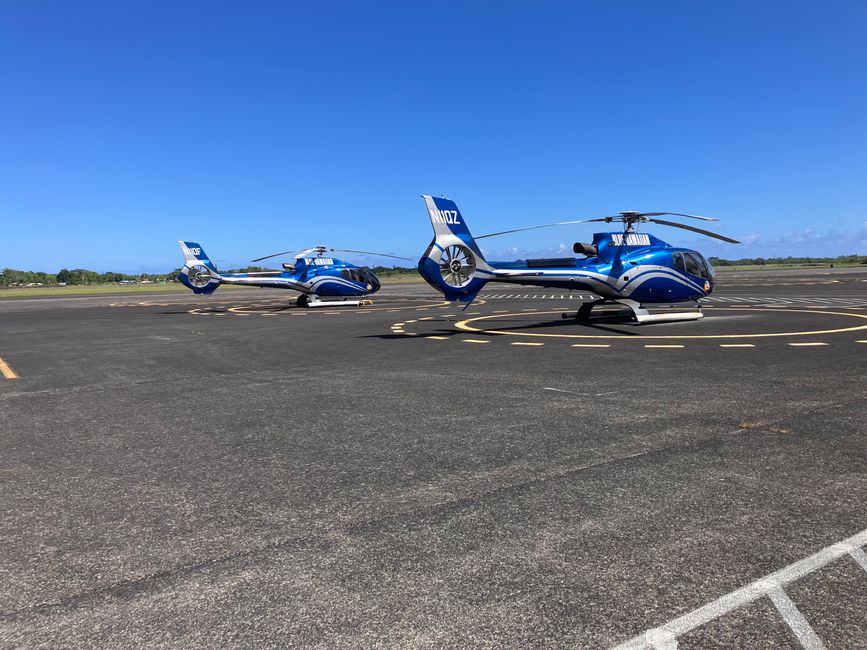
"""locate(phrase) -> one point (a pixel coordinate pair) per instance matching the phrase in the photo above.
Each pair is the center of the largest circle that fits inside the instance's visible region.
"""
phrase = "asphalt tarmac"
(234, 471)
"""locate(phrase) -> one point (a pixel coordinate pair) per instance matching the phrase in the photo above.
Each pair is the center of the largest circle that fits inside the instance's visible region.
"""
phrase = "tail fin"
(453, 263)
(199, 273)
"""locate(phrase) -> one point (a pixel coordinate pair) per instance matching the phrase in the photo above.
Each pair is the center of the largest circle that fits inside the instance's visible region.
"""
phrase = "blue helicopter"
(311, 273)
(629, 268)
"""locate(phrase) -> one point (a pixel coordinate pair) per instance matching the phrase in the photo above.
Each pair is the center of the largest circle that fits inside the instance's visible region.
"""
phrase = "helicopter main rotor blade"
(694, 229)
(267, 257)
(349, 250)
(677, 214)
(547, 225)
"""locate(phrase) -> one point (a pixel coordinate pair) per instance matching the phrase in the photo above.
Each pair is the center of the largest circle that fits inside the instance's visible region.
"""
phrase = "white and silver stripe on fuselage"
(274, 283)
(310, 286)
(603, 284)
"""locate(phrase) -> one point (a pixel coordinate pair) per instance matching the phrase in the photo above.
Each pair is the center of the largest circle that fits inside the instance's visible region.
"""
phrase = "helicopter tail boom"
(453, 262)
(198, 273)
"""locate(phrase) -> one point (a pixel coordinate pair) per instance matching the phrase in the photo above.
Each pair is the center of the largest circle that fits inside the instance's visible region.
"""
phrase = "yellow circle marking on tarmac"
(257, 309)
(465, 326)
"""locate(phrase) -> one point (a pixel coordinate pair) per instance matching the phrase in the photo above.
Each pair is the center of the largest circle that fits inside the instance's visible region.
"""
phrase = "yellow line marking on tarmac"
(737, 345)
(665, 346)
(474, 341)
(523, 343)
(438, 338)
(7, 371)
(466, 327)
(591, 345)
(860, 341)
(810, 344)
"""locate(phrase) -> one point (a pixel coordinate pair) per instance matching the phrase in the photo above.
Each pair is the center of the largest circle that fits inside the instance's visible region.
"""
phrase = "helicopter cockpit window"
(678, 261)
(358, 275)
(695, 265)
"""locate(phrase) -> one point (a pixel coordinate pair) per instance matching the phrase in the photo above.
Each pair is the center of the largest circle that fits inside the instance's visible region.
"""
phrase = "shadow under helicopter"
(611, 324)
(610, 321)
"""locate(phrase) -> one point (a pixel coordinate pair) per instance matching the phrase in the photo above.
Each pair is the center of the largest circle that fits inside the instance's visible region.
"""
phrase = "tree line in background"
(764, 261)
(16, 278)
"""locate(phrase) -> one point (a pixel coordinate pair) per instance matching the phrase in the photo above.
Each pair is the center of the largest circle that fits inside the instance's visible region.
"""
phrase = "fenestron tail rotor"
(457, 265)
(199, 275)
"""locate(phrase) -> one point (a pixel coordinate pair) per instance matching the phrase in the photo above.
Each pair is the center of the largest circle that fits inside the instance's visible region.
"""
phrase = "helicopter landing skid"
(314, 301)
(640, 314)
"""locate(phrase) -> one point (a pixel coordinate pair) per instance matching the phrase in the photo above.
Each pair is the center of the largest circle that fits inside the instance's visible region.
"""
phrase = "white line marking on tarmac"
(591, 345)
(859, 556)
(572, 392)
(527, 344)
(665, 346)
(805, 345)
(794, 618)
(753, 591)
(474, 341)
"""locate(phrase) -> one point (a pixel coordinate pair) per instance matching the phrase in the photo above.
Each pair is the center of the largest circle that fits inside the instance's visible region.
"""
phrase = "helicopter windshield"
(694, 264)
(361, 275)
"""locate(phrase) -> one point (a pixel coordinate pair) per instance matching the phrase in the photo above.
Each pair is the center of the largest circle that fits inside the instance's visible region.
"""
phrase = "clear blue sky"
(254, 127)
